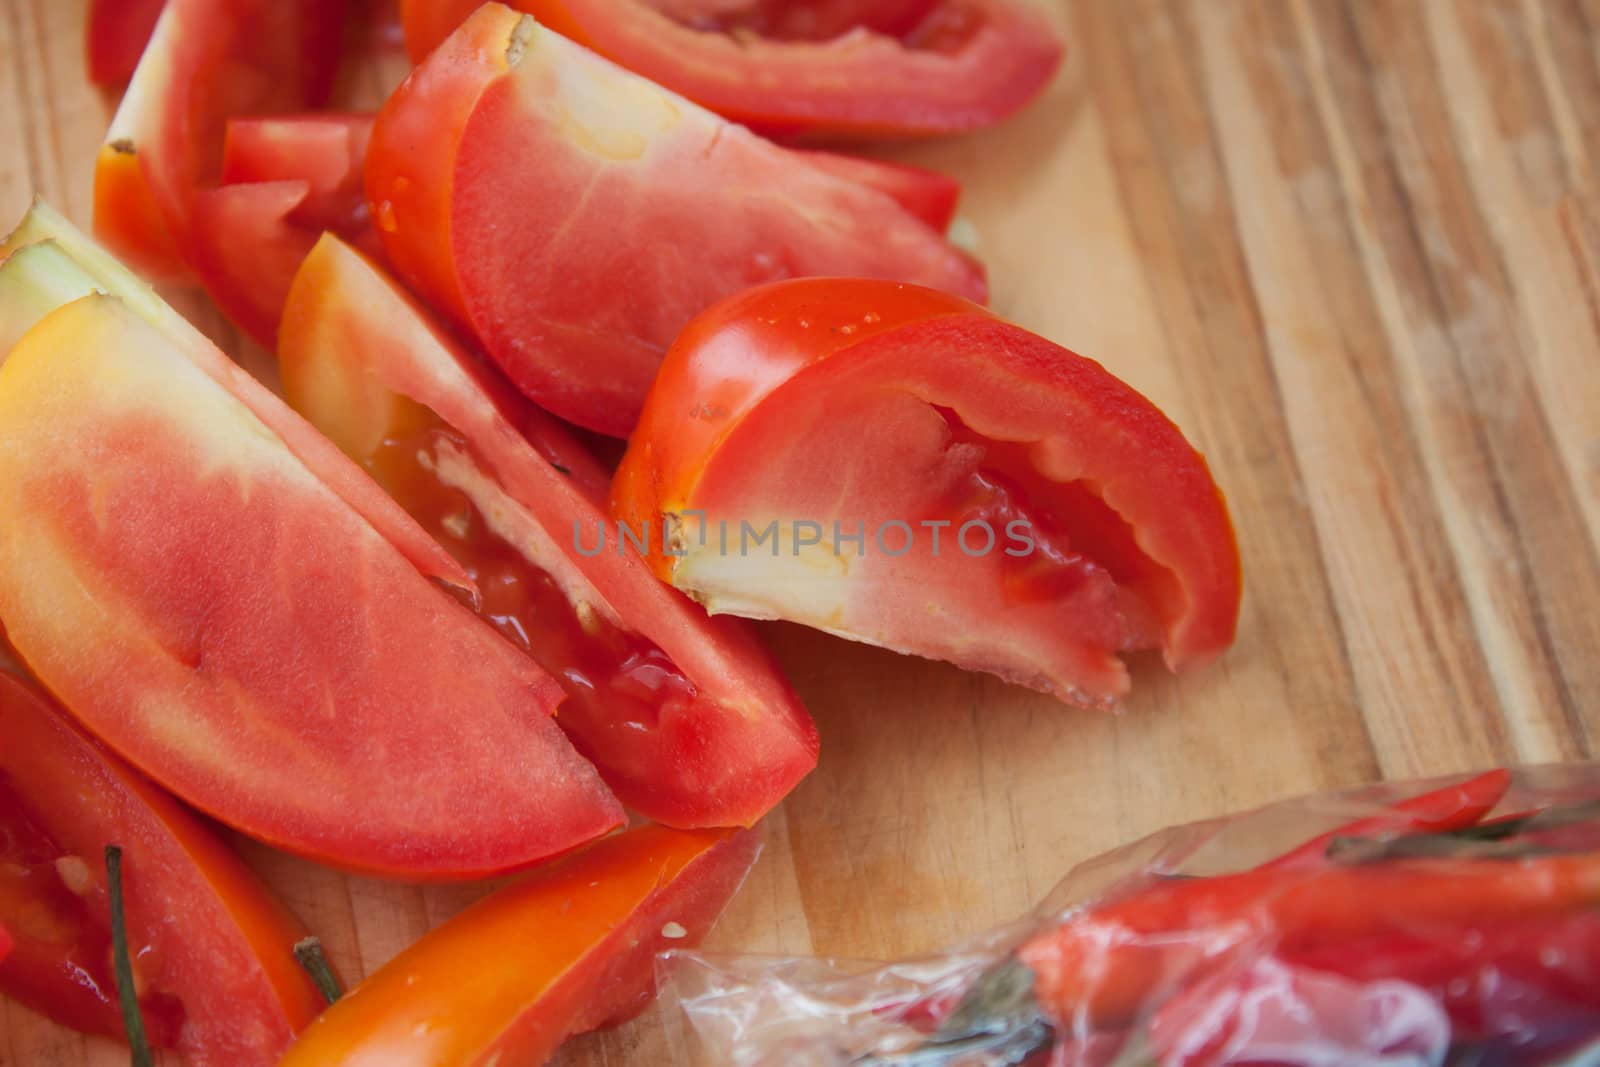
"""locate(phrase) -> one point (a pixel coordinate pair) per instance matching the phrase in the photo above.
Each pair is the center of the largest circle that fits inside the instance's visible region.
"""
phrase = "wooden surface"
(1352, 248)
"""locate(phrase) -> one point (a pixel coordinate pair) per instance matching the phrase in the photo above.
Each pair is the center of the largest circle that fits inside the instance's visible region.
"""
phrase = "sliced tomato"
(116, 33)
(875, 412)
(840, 69)
(567, 950)
(798, 20)
(927, 194)
(64, 264)
(286, 180)
(326, 150)
(247, 248)
(219, 615)
(207, 60)
(221, 985)
(572, 217)
(687, 717)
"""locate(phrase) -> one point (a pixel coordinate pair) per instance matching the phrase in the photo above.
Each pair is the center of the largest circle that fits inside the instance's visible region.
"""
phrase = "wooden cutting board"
(1353, 249)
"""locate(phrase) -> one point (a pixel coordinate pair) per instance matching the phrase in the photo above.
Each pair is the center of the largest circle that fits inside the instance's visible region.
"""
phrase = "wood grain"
(1353, 247)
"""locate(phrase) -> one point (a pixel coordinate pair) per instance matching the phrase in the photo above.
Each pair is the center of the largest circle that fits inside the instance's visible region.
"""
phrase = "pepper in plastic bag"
(1456, 926)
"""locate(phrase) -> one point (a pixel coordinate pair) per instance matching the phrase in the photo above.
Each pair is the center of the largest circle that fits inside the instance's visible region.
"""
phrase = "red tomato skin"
(725, 756)
(229, 963)
(929, 69)
(743, 379)
(564, 951)
(556, 292)
(927, 194)
(308, 676)
(115, 35)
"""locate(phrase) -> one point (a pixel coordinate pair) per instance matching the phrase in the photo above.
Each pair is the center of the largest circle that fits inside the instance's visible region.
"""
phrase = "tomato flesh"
(610, 674)
(221, 987)
(116, 33)
(61, 962)
(684, 715)
(798, 20)
(1078, 540)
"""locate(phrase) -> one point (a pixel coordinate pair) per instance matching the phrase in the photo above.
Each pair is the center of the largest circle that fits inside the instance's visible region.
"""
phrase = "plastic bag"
(1444, 922)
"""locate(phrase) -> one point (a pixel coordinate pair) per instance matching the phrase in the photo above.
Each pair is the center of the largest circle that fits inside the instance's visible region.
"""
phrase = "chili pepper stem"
(127, 996)
(999, 1017)
(309, 954)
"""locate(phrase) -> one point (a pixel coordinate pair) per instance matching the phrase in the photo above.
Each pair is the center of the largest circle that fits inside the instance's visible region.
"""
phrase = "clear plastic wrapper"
(1453, 921)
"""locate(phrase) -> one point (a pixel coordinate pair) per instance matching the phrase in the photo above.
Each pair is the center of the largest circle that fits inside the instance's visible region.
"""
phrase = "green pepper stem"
(127, 996)
(309, 953)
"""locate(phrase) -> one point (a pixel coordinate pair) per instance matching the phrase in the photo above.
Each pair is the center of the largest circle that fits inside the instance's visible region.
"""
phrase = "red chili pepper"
(1520, 974)
(1454, 807)
(1100, 968)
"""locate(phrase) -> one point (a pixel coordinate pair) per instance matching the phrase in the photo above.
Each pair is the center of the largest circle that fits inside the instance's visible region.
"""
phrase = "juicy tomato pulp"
(1064, 549)
(61, 964)
(610, 675)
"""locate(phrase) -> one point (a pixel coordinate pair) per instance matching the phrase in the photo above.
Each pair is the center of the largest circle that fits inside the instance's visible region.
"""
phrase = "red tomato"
(221, 985)
(286, 180)
(247, 249)
(36, 282)
(567, 950)
(927, 194)
(222, 617)
(116, 33)
(573, 217)
(686, 716)
(804, 20)
(207, 60)
(904, 68)
(326, 150)
(886, 408)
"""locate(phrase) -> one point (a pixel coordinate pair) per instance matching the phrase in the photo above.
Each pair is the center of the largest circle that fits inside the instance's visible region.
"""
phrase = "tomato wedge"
(63, 264)
(807, 444)
(221, 986)
(286, 180)
(116, 33)
(927, 194)
(803, 20)
(687, 718)
(546, 201)
(206, 61)
(176, 572)
(909, 68)
(567, 950)
(247, 248)
(326, 150)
